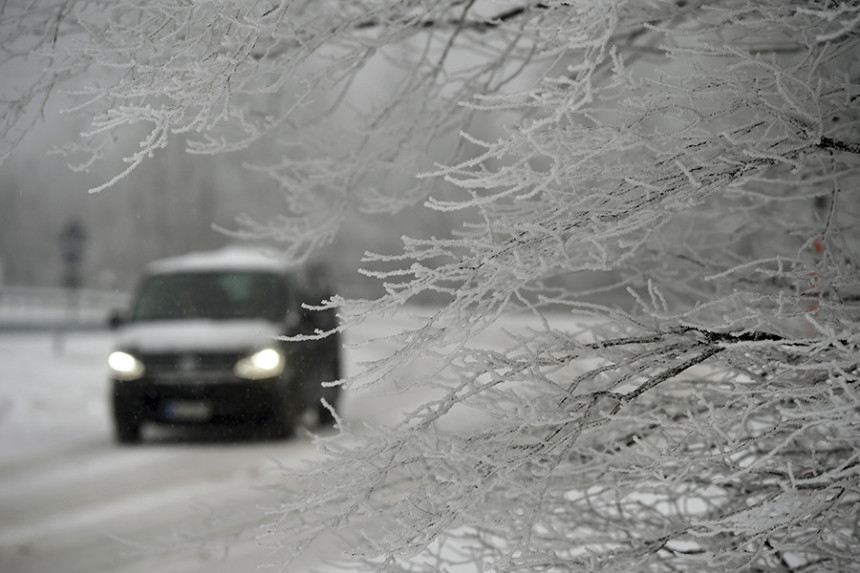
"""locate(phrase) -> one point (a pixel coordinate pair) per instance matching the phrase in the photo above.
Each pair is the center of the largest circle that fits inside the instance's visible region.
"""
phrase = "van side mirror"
(116, 319)
(321, 319)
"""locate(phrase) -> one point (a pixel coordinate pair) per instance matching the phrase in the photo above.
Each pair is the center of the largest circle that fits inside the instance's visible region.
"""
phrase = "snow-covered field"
(72, 501)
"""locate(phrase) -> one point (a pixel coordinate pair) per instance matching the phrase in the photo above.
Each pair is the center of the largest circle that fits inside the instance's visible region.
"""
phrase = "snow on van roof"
(226, 259)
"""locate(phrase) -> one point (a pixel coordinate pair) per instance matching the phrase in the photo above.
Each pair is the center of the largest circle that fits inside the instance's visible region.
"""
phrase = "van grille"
(190, 362)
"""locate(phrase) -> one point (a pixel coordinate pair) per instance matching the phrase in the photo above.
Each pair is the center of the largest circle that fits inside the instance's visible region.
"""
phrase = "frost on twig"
(695, 410)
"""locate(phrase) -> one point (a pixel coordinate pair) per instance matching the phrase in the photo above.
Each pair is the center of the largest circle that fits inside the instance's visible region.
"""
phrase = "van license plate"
(186, 410)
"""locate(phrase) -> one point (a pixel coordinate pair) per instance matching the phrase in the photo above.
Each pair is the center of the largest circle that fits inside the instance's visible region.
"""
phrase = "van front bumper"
(224, 400)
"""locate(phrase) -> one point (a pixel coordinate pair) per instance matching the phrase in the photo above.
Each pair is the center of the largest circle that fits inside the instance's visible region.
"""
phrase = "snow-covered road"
(73, 501)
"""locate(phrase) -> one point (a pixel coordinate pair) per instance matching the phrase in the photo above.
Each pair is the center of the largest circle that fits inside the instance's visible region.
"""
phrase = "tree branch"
(830, 143)
(479, 25)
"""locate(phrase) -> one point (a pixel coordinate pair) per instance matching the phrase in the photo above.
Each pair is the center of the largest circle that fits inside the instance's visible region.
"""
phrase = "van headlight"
(265, 363)
(124, 366)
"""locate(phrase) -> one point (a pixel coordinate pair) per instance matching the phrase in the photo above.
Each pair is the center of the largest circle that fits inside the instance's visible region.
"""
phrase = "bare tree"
(702, 155)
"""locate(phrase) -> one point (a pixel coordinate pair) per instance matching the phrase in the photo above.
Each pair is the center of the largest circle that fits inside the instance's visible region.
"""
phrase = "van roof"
(231, 258)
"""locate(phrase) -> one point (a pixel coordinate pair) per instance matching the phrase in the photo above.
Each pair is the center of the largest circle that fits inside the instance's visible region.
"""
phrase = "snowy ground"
(72, 501)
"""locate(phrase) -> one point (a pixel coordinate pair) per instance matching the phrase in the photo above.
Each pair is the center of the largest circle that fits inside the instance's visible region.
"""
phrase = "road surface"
(72, 501)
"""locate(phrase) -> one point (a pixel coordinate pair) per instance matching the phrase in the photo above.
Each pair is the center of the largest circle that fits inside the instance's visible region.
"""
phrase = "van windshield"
(213, 295)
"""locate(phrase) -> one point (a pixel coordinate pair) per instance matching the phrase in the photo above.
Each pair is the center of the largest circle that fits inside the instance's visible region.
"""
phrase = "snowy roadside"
(52, 392)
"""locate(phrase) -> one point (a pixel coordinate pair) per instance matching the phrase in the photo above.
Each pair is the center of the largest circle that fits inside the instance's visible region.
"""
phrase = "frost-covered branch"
(662, 195)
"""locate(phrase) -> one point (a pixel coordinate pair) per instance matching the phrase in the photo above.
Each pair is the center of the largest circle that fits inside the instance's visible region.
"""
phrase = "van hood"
(196, 335)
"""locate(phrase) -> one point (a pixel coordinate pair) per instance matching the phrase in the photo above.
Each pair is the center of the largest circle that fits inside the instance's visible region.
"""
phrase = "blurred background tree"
(680, 175)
